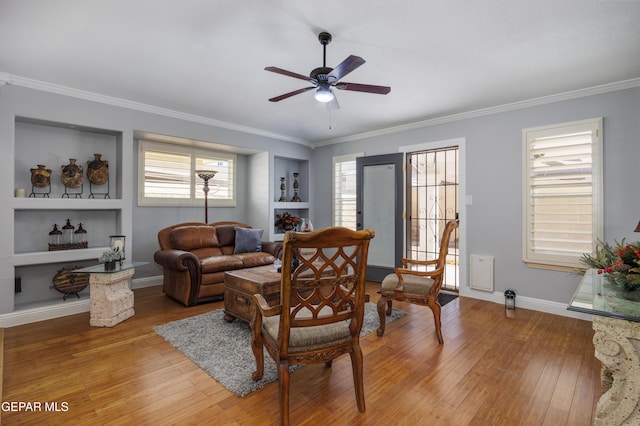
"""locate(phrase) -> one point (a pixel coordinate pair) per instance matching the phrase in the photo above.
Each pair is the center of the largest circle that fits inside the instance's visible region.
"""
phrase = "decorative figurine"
(40, 178)
(296, 185)
(72, 178)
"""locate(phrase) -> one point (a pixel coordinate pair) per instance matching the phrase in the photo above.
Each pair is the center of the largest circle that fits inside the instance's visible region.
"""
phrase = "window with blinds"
(344, 191)
(562, 195)
(167, 176)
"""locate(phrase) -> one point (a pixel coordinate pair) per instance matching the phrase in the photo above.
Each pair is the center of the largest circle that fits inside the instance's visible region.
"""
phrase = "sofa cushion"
(220, 263)
(193, 237)
(248, 240)
(249, 260)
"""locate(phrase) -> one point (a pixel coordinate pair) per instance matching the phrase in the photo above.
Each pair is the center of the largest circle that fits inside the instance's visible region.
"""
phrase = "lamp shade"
(323, 94)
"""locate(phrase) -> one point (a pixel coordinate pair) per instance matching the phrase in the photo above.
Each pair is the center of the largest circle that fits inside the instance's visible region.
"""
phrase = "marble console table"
(111, 299)
(616, 323)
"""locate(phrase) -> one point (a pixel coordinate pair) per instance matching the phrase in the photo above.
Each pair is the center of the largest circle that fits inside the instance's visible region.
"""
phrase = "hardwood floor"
(534, 369)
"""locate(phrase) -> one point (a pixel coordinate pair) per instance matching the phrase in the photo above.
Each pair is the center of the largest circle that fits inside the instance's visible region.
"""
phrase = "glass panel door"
(432, 201)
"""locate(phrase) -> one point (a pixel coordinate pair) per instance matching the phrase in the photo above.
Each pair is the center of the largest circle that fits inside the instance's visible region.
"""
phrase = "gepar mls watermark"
(31, 406)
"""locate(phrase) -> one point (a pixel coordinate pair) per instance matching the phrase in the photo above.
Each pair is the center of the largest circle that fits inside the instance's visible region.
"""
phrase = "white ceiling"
(207, 57)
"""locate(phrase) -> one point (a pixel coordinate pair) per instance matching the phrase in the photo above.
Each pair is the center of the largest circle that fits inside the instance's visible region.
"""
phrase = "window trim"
(192, 201)
(552, 261)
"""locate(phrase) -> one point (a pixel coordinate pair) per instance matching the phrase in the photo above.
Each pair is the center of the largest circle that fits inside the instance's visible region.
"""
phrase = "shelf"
(291, 205)
(54, 144)
(66, 204)
(46, 257)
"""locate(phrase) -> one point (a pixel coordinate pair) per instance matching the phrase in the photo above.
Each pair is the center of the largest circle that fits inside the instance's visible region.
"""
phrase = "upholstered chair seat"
(413, 284)
(309, 336)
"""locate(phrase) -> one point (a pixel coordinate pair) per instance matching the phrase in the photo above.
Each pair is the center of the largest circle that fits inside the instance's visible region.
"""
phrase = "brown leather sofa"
(194, 257)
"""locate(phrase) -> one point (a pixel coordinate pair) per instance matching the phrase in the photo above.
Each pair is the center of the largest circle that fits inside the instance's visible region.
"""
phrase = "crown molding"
(14, 80)
(564, 96)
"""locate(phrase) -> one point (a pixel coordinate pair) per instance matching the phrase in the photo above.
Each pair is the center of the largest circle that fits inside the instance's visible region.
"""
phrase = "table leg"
(617, 346)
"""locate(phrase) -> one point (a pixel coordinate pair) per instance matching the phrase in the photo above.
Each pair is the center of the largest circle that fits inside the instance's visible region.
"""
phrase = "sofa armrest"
(177, 260)
(273, 247)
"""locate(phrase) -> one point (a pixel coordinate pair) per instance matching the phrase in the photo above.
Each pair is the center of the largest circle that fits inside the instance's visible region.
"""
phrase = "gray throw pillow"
(248, 240)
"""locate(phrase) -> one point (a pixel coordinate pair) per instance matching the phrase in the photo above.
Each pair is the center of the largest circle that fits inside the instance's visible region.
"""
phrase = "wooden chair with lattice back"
(419, 286)
(321, 308)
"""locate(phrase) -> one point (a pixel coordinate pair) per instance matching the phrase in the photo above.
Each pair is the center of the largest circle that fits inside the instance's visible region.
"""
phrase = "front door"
(379, 205)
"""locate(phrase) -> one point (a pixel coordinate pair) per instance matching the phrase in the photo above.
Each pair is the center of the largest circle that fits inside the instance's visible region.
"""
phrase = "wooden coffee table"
(241, 285)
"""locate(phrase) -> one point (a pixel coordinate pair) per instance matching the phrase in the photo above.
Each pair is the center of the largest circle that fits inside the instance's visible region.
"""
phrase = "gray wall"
(493, 172)
(26, 102)
(494, 180)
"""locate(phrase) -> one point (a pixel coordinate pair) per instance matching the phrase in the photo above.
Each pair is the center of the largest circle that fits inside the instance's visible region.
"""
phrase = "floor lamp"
(206, 175)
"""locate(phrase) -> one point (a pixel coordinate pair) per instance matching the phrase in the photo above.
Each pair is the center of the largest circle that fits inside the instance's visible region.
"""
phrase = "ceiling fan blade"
(345, 67)
(288, 95)
(288, 73)
(356, 87)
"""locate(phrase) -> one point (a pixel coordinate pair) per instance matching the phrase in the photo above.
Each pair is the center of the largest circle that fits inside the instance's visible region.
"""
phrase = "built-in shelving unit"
(53, 144)
(265, 172)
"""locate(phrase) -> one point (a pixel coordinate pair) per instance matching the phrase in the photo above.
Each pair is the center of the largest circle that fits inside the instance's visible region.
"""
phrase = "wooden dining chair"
(417, 286)
(321, 308)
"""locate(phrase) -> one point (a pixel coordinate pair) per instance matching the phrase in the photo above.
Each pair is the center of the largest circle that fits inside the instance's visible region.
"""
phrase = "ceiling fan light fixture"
(323, 94)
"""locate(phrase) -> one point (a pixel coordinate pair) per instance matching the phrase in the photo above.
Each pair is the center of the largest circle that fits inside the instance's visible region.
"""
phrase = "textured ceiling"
(207, 58)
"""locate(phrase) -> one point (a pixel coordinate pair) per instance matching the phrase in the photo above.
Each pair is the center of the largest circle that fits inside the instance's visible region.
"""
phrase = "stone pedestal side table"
(616, 323)
(617, 344)
(111, 299)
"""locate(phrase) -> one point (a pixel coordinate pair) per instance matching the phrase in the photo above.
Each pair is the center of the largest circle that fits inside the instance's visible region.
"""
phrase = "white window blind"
(344, 191)
(562, 202)
(167, 176)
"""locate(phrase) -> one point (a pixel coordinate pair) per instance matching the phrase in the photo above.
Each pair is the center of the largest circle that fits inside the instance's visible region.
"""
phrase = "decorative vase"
(283, 198)
(40, 177)
(296, 186)
(72, 174)
(110, 266)
(306, 225)
(98, 170)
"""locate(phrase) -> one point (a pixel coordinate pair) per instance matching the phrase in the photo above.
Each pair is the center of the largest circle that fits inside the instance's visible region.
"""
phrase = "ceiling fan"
(324, 78)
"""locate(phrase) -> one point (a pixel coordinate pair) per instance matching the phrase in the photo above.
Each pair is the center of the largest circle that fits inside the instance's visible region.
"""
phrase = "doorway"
(432, 201)
(379, 205)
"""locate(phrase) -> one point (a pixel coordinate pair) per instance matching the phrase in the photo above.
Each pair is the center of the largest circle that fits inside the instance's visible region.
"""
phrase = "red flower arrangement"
(286, 221)
(625, 269)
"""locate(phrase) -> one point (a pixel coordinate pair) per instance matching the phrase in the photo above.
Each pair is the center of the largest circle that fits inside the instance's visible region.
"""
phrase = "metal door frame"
(374, 272)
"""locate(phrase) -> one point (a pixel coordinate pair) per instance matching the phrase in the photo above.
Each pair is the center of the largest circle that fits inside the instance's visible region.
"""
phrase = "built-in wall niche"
(37, 284)
(298, 212)
(53, 145)
(32, 227)
(286, 167)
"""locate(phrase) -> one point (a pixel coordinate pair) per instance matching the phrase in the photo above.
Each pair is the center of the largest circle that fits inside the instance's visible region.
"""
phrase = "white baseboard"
(540, 305)
(146, 282)
(42, 313)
